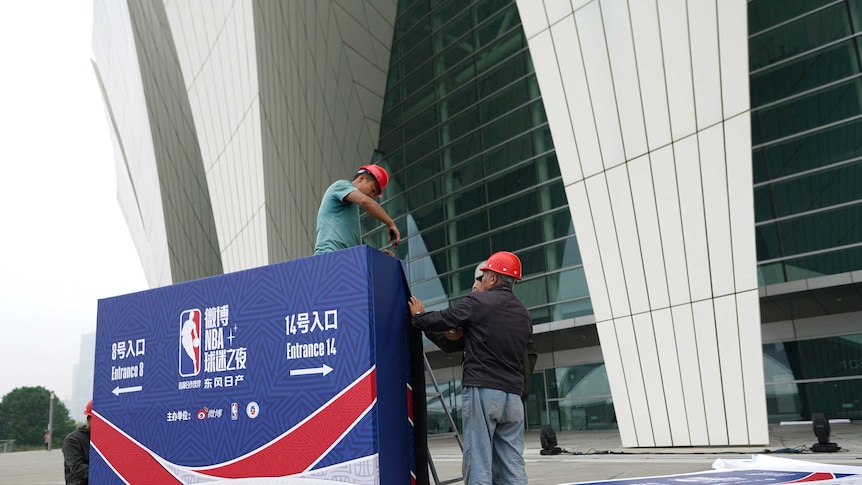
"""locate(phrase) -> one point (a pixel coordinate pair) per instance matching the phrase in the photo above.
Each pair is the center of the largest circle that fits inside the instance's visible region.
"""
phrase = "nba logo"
(190, 343)
(234, 411)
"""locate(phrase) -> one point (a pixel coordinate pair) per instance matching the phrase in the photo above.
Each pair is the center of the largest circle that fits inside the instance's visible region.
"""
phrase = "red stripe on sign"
(410, 403)
(133, 463)
(306, 444)
(815, 477)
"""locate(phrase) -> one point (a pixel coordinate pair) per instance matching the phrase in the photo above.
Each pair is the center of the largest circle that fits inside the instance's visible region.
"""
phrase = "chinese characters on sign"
(178, 415)
(215, 349)
(311, 323)
(300, 322)
(125, 350)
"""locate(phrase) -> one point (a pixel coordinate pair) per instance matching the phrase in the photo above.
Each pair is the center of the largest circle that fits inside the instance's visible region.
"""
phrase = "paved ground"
(32, 468)
(633, 462)
(46, 467)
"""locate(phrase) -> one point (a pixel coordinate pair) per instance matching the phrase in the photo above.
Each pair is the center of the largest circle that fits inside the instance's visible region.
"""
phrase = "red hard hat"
(379, 173)
(88, 410)
(504, 262)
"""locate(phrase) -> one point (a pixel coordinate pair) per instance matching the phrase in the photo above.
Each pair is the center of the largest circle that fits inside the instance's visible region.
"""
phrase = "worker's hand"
(388, 252)
(394, 235)
(416, 306)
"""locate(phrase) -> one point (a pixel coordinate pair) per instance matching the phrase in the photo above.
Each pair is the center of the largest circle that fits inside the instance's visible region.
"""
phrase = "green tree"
(24, 417)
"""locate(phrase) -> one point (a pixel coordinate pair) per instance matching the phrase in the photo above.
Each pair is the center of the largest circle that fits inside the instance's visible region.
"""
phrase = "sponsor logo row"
(252, 410)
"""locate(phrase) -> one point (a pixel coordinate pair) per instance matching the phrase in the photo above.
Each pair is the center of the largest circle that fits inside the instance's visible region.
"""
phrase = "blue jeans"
(493, 437)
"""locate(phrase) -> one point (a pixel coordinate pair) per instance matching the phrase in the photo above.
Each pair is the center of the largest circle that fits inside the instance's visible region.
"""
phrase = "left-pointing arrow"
(122, 390)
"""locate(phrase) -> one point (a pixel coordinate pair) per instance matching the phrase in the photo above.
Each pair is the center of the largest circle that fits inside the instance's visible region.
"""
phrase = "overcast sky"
(63, 239)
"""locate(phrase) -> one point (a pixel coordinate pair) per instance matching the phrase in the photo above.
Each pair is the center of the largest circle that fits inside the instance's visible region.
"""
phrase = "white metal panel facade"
(216, 49)
(284, 99)
(660, 195)
(122, 86)
(647, 103)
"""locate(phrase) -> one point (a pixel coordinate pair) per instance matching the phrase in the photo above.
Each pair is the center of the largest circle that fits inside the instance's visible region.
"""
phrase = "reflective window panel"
(814, 376)
(473, 165)
(806, 120)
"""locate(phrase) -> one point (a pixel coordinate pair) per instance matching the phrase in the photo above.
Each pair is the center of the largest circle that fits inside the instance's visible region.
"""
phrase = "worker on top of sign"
(497, 327)
(338, 217)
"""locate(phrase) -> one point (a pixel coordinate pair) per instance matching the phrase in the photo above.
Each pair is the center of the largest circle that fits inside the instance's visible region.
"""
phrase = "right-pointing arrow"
(314, 370)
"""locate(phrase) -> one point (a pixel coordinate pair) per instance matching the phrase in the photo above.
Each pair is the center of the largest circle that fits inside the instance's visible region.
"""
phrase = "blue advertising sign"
(299, 369)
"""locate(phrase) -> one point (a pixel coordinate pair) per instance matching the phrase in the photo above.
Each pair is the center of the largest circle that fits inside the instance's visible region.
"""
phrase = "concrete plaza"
(46, 467)
(621, 462)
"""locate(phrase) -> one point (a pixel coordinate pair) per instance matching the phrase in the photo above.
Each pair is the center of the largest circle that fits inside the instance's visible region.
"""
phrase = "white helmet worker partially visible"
(457, 333)
(477, 276)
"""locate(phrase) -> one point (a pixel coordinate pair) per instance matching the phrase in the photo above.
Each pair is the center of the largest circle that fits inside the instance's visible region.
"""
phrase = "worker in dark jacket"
(496, 328)
(76, 452)
(451, 341)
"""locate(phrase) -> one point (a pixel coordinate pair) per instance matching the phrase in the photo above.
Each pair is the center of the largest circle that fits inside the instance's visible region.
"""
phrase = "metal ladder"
(439, 396)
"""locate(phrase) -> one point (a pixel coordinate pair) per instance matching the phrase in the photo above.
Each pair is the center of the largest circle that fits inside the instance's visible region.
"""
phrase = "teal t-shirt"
(337, 220)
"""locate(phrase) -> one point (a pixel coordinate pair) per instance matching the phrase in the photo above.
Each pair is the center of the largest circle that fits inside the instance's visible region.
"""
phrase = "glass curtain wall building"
(806, 104)
(466, 136)
(806, 100)
(681, 180)
(473, 165)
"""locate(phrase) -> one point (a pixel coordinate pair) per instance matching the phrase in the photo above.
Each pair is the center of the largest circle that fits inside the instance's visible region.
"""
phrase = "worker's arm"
(448, 319)
(373, 209)
(444, 342)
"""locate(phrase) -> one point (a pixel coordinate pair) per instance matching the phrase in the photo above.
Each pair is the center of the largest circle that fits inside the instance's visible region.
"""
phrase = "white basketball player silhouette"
(191, 340)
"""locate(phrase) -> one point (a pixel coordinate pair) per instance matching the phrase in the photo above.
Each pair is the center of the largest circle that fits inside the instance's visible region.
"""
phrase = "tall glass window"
(806, 96)
(810, 376)
(473, 166)
(802, 377)
(568, 398)
(578, 398)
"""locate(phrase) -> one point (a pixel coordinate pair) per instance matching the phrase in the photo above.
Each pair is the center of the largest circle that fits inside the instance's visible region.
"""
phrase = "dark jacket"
(451, 346)
(496, 327)
(76, 456)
